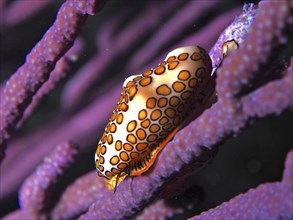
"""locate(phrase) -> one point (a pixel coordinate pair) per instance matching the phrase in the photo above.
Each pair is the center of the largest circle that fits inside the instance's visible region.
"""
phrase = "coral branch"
(21, 87)
(19, 11)
(175, 204)
(78, 129)
(61, 70)
(159, 210)
(275, 97)
(267, 35)
(267, 201)
(36, 190)
(79, 196)
(22, 214)
(237, 31)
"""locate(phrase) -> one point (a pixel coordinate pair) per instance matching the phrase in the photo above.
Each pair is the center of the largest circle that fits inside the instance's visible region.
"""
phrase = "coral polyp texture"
(69, 84)
(267, 201)
(40, 62)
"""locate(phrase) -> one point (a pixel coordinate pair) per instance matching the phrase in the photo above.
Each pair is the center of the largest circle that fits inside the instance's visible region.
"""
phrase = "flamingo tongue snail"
(152, 107)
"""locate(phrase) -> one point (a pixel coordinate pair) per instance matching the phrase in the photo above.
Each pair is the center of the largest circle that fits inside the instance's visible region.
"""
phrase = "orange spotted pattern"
(152, 107)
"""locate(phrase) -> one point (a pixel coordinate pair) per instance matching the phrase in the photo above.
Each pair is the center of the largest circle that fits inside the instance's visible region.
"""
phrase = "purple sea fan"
(123, 34)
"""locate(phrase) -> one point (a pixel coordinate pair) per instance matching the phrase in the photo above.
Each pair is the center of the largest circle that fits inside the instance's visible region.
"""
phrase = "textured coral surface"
(58, 99)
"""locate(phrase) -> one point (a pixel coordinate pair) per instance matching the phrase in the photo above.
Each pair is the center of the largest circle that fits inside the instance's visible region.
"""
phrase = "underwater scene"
(146, 109)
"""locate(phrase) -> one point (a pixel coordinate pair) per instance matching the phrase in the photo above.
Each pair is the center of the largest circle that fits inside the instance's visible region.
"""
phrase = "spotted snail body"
(152, 107)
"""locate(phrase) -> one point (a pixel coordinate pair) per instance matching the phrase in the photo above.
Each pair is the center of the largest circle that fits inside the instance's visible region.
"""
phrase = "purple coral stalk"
(18, 11)
(36, 190)
(61, 70)
(76, 199)
(77, 128)
(237, 31)
(159, 210)
(21, 87)
(184, 199)
(267, 35)
(267, 201)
